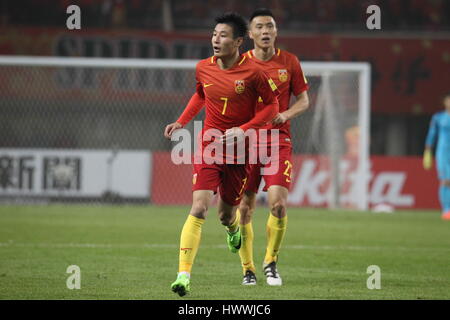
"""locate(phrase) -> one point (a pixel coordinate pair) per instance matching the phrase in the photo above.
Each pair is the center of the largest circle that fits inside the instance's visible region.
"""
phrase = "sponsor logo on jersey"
(282, 75)
(239, 86)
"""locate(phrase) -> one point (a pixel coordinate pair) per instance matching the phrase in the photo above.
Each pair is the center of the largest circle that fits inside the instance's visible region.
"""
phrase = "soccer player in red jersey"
(228, 85)
(284, 68)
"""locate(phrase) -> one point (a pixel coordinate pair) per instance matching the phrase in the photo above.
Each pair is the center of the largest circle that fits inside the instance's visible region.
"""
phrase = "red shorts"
(282, 177)
(231, 179)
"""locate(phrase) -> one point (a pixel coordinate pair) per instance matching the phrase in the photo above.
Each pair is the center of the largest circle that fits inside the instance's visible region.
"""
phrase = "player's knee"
(199, 210)
(225, 218)
(278, 208)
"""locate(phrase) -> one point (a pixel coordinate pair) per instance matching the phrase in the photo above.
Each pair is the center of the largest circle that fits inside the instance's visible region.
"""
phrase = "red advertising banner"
(400, 182)
(409, 75)
(170, 183)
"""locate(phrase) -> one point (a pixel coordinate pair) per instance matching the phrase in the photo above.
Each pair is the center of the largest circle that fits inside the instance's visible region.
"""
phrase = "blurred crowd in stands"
(292, 15)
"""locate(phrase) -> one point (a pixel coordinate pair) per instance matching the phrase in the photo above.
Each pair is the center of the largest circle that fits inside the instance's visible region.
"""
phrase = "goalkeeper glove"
(427, 160)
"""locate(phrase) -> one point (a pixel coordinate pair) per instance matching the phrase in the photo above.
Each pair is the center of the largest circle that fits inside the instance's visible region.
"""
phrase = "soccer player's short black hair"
(261, 12)
(236, 22)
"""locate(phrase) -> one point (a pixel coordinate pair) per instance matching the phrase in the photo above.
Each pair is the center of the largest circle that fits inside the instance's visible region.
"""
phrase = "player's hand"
(279, 119)
(427, 160)
(170, 128)
(232, 134)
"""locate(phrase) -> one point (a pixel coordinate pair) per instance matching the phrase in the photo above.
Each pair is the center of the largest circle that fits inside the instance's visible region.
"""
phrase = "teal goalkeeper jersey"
(439, 132)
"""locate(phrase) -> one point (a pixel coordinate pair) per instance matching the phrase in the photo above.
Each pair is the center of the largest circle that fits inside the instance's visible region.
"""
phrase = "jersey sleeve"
(195, 104)
(268, 109)
(198, 84)
(299, 83)
(432, 132)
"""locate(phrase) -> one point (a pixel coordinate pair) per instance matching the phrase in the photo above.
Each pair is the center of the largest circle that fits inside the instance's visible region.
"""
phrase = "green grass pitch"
(131, 252)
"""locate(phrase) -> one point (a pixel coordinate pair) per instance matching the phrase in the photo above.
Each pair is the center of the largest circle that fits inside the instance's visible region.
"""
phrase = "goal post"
(330, 105)
(117, 104)
(341, 116)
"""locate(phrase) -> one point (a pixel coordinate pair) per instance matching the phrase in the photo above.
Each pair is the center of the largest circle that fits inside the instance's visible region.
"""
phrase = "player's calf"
(246, 214)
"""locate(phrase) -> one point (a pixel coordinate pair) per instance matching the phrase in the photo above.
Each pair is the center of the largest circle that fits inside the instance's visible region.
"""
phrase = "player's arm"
(299, 107)
(429, 143)
(299, 87)
(193, 107)
(268, 91)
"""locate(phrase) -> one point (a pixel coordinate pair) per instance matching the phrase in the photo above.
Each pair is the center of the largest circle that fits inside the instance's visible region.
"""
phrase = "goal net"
(336, 131)
(91, 129)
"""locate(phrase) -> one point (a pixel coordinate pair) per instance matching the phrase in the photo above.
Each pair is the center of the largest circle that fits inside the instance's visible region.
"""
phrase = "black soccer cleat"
(249, 278)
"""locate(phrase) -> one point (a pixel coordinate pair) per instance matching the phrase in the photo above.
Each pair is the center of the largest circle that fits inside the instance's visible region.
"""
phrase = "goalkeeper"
(439, 135)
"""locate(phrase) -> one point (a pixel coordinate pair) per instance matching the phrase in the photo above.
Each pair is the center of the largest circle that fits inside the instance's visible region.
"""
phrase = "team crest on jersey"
(239, 86)
(282, 75)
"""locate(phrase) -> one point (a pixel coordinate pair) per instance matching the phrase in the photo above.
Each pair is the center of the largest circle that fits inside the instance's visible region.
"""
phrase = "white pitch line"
(220, 246)
(363, 248)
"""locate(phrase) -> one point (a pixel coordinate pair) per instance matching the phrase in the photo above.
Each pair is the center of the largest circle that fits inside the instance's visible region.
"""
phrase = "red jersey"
(285, 70)
(231, 96)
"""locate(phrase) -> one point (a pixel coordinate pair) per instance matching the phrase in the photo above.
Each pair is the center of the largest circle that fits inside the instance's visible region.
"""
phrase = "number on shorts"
(244, 181)
(288, 170)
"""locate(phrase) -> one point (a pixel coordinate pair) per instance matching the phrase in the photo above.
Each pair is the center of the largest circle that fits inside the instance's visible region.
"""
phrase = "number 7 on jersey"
(225, 102)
